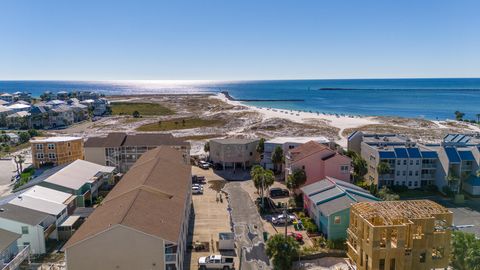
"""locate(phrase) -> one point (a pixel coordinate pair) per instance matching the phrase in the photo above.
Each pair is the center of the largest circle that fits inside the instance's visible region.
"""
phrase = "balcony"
(49, 230)
(19, 258)
(429, 166)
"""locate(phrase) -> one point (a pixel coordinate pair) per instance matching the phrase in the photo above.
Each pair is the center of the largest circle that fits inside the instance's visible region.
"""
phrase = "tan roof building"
(400, 235)
(143, 222)
(122, 150)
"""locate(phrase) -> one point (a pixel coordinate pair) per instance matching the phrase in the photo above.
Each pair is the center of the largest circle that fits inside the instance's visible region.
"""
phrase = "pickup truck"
(216, 262)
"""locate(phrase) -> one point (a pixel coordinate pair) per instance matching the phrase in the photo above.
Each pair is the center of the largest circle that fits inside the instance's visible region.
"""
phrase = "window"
(51, 146)
(26, 244)
(291, 146)
(51, 155)
(392, 264)
(344, 169)
(337, 220)
(416, 173)
(381, 264)
(24, 229)
(410, 173)
(69, 153)
(39, 146)
(404, 173)
(398, 173)
(404, 162)
(417, 162)
(39, 155)
(411, 162)
(68, 144)
(422, 257)
(409, 183)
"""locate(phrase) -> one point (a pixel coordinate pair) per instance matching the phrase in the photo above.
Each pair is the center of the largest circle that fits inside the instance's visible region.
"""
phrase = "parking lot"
(211, 217)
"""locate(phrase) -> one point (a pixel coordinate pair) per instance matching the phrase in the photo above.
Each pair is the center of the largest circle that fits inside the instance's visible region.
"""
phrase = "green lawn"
(183, 123)
(127, 108)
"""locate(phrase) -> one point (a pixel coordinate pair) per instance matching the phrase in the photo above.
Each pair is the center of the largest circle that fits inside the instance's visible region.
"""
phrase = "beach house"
(328, 203)
(286, 143)
(234, 153)
(143, 221)
(122, 150)
(80, 178)
(318, 161)
(33, 226)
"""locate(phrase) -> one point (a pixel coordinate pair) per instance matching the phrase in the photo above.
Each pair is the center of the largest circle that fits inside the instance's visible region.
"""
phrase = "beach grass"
(127, 108)
(180, 123)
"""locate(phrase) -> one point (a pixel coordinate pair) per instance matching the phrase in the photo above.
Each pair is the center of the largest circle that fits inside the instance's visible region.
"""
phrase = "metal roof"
(7, 238)
(332, 195)
(414, 153)
(387, 154)
(401, 152)
(77, 173)
(452, 154)
(466, 155)
(22, 214)
(49, 207)
(429, 154)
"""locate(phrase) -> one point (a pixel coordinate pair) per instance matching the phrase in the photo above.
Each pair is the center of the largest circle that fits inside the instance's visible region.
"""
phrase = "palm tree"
(19, 160)
(262, 179)
(277, 158)
(382, 169)
(296, 179)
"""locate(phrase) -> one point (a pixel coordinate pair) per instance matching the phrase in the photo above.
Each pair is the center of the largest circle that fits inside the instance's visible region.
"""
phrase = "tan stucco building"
(56, 150)
(122, 150)
(143, 222)
(399, 235)
(234, 153)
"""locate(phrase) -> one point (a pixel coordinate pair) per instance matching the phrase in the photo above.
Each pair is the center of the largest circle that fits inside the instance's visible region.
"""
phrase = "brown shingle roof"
(151, 198)
(141, 139)
(308, 149)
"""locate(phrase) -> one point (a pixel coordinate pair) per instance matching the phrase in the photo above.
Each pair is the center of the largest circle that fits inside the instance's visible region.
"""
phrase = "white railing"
(21, 256)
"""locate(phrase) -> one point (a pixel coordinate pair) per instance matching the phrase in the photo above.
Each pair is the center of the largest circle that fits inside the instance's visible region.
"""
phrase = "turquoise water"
(425, 98)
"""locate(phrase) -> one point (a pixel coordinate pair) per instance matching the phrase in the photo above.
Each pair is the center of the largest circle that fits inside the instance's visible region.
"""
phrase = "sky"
(238, 40)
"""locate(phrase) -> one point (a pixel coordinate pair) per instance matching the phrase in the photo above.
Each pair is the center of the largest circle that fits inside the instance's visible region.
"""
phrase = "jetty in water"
(227, 95)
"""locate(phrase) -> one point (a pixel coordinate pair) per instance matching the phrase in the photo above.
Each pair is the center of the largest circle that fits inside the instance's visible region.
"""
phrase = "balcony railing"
(19, 258)
(49, 230)
(170, 258)
(429, 166)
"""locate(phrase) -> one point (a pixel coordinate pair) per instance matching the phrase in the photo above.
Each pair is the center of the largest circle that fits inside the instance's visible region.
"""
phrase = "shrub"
(337, 244)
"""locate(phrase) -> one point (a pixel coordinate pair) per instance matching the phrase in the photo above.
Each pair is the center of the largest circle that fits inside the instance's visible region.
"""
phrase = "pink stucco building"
(318, 161)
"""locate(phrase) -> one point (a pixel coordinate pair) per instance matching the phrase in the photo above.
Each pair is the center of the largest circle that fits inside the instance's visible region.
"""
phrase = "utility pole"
(286, 220)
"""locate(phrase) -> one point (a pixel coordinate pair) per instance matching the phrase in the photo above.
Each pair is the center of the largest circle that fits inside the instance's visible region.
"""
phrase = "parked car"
(297, 236)
(197, 190)
(279, 192)
(203, 164)
(198, 179)
(216, 262)
(281, 219)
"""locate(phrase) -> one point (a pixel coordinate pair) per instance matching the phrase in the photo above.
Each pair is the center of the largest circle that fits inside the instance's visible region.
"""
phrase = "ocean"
(418, 98)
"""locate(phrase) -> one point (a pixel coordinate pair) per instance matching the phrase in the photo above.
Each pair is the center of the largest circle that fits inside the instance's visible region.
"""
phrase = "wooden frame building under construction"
(399, 235)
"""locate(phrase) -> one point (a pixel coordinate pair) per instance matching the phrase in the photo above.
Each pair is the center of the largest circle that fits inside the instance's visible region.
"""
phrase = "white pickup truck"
(216, 262)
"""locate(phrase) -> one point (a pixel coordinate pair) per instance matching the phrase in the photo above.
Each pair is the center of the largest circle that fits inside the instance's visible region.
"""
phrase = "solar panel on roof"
(465, 139)
(452, 155)
(466, 155)
(387, 154)
(414, 153)
(401, 152)
(429, 154)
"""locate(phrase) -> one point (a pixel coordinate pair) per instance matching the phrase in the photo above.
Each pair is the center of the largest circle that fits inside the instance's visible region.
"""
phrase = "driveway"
(7, 169)
(248, 228)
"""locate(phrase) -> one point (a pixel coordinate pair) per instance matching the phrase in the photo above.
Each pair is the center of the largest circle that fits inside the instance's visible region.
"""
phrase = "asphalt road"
(247, 227)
